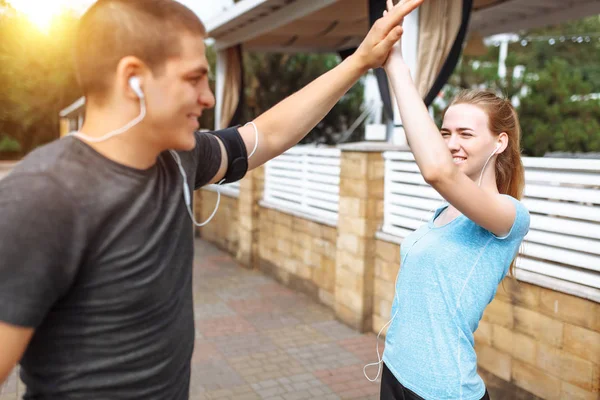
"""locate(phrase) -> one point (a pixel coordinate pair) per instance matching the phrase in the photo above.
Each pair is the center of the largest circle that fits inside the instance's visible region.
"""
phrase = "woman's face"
(468, 137)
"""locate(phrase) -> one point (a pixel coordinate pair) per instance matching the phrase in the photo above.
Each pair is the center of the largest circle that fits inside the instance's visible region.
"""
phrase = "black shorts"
(391, 389)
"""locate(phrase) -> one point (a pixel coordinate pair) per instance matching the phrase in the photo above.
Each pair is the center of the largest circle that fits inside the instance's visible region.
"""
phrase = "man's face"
(177, 97)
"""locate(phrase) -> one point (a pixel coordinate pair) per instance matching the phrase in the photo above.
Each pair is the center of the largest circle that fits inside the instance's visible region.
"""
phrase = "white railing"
(305, 181)
(562, 249)
(230, 189)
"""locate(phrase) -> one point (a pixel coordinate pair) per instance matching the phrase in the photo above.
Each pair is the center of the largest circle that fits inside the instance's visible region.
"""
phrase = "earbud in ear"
(134, 83)
(496, 149)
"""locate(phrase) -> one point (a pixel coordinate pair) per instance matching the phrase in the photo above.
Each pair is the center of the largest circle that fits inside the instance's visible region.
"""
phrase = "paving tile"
(214, 375)
(364, 347)
(212, 310)
(272, 320)
(265, 366)
(301, 386)
(205, 351)
(349, 382)
(296, 336)
(224, 326)
(243, 344)
(335, 330)
(323, 356)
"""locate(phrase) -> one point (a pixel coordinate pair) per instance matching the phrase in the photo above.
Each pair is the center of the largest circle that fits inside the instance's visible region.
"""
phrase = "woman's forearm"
(423, 136)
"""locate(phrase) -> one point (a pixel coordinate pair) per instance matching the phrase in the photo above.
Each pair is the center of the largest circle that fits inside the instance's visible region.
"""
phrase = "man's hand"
(384, 34)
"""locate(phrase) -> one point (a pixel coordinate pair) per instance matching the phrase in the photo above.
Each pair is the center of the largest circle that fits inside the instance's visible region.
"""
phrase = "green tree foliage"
(9, 145)
(272, 77)
(581, 55)
(555, 71)
(553, 117)
(36, 78)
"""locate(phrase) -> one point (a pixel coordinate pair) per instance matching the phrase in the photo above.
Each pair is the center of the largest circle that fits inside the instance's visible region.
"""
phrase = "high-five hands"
(384, 34)
(395, 56)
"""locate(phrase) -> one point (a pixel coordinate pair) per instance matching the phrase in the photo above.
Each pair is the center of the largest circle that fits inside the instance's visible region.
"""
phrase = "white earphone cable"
(116, 132)
(187, 191)
(486, 163)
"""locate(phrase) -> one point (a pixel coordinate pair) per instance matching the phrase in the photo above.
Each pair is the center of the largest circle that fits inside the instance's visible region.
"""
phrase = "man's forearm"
(285, 124)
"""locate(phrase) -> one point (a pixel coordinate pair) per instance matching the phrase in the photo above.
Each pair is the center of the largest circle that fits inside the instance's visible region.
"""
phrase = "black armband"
(237, 156)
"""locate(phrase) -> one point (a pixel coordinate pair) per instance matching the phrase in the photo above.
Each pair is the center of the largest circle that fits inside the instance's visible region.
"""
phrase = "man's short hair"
(112, 29)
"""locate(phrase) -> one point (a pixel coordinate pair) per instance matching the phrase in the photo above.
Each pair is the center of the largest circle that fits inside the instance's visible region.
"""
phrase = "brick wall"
(544, 341)
(298, 252)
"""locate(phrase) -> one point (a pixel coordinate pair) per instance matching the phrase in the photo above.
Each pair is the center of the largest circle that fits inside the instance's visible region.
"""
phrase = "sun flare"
(43, 13)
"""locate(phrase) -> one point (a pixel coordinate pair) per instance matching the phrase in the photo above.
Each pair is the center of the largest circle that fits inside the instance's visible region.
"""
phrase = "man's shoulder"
(43, 175)
(45, 160)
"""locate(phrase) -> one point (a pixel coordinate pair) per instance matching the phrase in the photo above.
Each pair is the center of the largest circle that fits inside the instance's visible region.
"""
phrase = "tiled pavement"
(256, 339)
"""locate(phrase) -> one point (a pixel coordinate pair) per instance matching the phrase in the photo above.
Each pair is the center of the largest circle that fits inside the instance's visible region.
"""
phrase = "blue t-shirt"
(448, 275)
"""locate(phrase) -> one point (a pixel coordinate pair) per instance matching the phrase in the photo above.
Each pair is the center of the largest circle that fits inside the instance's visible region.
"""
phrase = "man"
(96, 244)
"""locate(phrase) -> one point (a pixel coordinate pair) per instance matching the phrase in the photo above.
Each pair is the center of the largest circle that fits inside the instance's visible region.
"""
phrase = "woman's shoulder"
(520, 226)
(518, 204)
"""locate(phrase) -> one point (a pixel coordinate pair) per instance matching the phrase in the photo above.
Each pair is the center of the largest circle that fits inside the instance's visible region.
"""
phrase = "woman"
(451, 267)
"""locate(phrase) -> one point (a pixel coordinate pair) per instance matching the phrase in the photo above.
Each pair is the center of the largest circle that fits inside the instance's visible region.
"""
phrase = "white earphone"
(134, 83)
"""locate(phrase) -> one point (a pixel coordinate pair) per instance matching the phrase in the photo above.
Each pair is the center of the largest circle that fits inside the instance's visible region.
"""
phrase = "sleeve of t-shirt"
(37, 232)
(520, 226)
(207, 158)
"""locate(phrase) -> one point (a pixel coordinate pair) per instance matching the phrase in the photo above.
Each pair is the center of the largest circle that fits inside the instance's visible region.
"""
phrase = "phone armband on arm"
(237, 155)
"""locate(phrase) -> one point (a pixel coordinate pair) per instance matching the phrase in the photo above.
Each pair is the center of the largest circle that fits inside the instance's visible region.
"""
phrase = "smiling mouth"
(458, 160)
(193, 118)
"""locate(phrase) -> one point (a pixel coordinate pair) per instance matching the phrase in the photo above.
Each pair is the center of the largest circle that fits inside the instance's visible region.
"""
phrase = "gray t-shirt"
(97, 257)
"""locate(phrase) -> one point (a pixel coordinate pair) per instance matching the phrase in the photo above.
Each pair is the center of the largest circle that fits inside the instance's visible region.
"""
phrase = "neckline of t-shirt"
(117, 167)
(437, 214)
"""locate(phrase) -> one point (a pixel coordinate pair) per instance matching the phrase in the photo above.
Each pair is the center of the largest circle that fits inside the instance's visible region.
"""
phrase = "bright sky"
(42, 12)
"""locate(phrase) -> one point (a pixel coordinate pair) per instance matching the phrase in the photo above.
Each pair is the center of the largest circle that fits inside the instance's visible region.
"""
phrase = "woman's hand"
(383, 35)
(395, 58)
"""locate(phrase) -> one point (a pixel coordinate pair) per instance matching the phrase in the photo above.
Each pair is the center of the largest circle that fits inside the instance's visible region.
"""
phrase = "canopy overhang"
(337, 25)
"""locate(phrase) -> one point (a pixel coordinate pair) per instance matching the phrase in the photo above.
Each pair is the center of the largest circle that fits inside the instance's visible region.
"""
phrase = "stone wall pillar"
(251, 192)
(63, 126)
(360, 214)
